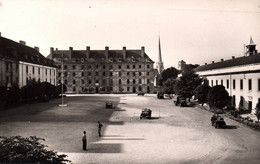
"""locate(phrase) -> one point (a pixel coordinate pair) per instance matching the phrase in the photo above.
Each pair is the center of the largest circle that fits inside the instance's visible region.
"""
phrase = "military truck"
(179, 100)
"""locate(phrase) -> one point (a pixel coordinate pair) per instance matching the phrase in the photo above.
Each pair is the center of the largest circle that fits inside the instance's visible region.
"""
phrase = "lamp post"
(62, 83)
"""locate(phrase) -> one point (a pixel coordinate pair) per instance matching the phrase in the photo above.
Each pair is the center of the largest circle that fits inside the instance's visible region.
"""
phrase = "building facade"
(240, 76)
(20, 63)
(104, 71)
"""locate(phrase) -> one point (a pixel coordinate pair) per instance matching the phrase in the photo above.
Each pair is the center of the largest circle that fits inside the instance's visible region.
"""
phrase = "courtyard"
(173, 135)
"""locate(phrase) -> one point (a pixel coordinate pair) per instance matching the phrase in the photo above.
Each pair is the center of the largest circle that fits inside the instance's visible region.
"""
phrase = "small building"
(104, 71)
(240, 76)
(20, 63)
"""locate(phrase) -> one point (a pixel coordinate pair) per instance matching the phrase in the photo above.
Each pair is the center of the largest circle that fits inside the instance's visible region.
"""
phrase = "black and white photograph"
(130, 81)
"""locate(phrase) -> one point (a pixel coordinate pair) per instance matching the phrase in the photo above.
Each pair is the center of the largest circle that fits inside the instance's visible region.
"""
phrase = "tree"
(168, 86)
(218, 97)
(168, 73)
(257, 112)
(201, 93)
(17, 149)
(187, 83)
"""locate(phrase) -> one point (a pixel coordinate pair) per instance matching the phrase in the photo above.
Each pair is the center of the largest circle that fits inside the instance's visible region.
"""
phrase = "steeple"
(251, 47)
(159, 64)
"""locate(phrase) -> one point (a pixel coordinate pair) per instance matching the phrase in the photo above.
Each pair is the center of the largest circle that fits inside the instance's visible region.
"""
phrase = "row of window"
(9, 65)
(27, 80)
(39, 70)
(108, 73)
(111, 60)
(97, 81)
(241, 84)
(104, 66)
(111, 89)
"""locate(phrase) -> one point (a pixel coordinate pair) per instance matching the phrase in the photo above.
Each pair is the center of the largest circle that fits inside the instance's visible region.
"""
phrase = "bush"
(13, 95)
(17, 149)
(218, 97)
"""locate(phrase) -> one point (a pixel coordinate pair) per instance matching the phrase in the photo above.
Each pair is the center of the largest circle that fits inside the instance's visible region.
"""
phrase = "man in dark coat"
(99, 125)
(84, 140)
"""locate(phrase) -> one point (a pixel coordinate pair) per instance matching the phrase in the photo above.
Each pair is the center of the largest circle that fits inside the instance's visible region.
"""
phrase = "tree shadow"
(231, 127)
(104, 148)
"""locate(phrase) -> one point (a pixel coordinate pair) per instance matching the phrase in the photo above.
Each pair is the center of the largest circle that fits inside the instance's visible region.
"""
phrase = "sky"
(196, 31)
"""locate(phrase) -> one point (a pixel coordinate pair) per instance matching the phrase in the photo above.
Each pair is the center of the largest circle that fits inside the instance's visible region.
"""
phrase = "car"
(179, 100)
(109, 104)
(218, 121)
(146, 113)
(140, 94)
(160, 95)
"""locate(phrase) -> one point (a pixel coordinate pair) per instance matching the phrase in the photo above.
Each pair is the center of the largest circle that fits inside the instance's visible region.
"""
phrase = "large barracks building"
(104, 71)
(20, 63)
(240, 76)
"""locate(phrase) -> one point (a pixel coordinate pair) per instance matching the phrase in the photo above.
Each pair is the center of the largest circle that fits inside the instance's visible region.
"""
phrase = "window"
(249, 84)
(119, 66)
(241, 84)
(140, 66)
(148, 66)
(111, 73)
(120, 74)
(140, 73)
(89, 81)
(133, 81)
(148, 73)
(104, 67)
(140, 88)
(82, 59)
(128, 73)
(74, 89)
(111, 66)
(127, 66)
(26, 69)
(82, 74)
(212, 83)
(39, 70)
(258, 84)
(89, 73)
(89, 66)
(66, 74)
(96, 66)
(59, 74)
(73, 67)
(7, 67)
(82, 66)
(96, 73)
(82, 81)
(241, 101)
(33, 70)
(74, 82)
(74, 73)
(140, 81)
(50, 71)
(128, 81)
(234, 84)
(133, 73)
(148, 81)
(66, 82)
(221, 82)
(96, 81)
(65, 67)
(216, 82)
(46, 72)
(119, 81)
(227, 84)
(133, 66)
(104, 73)
(128, 88)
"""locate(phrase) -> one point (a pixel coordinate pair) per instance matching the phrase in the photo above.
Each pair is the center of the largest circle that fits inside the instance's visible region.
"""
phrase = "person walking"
(99, 125)
(84, 140)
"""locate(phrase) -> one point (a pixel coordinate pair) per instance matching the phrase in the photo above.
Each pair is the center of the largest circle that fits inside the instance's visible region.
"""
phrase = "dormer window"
(73, 60)
(147, 60)
(119, 59)
(111, 59)
(82, 59)
(133, 59)
(59, 59)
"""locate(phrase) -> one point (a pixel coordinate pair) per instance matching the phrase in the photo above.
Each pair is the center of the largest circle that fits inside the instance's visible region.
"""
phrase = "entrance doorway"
(97, 89)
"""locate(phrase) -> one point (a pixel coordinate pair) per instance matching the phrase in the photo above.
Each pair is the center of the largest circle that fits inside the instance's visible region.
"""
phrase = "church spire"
(159, 64)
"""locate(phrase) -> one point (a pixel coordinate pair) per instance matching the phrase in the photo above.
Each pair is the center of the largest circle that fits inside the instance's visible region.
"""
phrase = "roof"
(99, 54)
(240, 61)
(19, 52)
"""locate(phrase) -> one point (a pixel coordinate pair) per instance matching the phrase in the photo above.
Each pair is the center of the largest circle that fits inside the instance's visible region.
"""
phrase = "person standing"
(84, 140)
(99, 125)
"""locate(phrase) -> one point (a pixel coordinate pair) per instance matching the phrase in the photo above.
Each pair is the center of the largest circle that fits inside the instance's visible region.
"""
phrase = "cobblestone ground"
(173, 135)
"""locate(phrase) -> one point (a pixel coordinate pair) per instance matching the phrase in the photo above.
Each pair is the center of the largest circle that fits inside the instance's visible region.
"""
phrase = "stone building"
(240, 76)
(104, 71)
(20, 63)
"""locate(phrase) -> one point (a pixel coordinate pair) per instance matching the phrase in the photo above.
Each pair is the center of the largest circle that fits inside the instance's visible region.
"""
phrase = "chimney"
(51, 52)
(22, 42)
(71, 52)
(142, 52)
(213, 62)
(233, 57)
(37, 48)
(106, 51)
(56, 49)
(87, 52)
(206, 63)
(222, 59)
(124, 52)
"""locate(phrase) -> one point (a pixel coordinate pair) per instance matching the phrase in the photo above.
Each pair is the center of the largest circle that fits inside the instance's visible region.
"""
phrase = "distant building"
(20, 63)
(181, 65)
(104, 71)
(240, 76)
